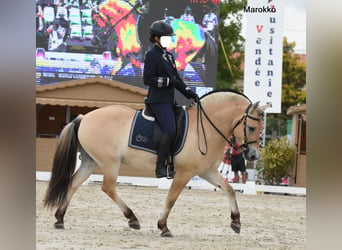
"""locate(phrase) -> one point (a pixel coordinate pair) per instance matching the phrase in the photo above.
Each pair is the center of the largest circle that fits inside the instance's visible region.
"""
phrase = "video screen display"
(109, 38)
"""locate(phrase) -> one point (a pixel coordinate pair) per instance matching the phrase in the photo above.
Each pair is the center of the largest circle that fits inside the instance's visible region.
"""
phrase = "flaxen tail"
(63, 164)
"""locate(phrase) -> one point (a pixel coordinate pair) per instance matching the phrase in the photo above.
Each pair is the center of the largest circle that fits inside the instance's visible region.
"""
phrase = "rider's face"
(165, 41)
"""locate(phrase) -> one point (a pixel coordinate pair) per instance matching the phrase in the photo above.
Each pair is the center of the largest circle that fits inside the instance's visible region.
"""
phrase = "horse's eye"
(251, 129)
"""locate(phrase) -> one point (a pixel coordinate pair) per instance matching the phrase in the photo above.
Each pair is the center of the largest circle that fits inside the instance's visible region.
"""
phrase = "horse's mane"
(223, 95)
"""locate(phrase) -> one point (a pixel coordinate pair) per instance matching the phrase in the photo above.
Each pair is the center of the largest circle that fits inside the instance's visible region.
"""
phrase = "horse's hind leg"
(109, 187)
(84, 171)
(214, 177)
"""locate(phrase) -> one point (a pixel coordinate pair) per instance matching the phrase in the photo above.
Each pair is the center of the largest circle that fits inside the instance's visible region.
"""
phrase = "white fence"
(196, 182)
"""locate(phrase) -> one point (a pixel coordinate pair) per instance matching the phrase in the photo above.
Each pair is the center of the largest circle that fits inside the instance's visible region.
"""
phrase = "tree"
(293, 88)
(230, 32)
(294, 77)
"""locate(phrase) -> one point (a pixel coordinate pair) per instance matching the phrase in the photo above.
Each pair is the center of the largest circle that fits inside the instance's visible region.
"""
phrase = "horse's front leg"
(177, 186)
(216, 179)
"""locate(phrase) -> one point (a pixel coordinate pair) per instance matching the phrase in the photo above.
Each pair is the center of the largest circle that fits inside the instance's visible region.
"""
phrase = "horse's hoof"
(236, 228)
(167, 234)
(134, 225)
(59, 226)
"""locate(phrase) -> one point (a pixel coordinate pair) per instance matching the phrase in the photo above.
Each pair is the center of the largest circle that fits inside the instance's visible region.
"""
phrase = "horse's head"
(248, 122)
(247, 128)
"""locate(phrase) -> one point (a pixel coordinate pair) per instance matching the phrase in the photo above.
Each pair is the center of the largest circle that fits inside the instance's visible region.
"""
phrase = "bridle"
(243, 119)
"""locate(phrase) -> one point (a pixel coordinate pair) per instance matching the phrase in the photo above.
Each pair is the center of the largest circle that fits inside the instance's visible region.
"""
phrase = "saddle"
(145, 132)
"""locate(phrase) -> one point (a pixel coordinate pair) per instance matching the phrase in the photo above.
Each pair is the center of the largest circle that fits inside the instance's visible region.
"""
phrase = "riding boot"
(169, 166)
(163, 150)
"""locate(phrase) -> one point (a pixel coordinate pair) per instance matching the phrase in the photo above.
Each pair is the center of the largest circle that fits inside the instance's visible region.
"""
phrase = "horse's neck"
(225, 112)
(223, 116)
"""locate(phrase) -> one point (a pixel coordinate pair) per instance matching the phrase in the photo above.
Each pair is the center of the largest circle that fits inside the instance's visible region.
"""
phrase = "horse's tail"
(63, 164)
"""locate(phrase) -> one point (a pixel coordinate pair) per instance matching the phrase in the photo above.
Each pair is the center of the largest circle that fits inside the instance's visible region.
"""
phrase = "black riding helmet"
(160, 28)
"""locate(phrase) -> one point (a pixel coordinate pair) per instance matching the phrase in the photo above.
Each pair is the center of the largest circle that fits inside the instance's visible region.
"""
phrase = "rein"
(243, 119)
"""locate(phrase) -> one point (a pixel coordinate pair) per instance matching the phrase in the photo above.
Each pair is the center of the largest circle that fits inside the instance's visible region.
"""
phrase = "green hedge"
(276, 162)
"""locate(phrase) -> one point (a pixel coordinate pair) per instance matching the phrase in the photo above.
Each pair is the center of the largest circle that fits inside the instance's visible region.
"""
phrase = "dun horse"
(102, 135)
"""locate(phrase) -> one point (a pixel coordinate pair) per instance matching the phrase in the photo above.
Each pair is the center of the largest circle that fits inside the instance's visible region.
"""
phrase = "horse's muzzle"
(251, 154)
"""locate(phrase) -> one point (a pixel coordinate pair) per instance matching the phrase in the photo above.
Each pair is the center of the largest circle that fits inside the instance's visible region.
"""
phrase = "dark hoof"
(167, 234)
(236, 228)
(59, 226)
(134, 225)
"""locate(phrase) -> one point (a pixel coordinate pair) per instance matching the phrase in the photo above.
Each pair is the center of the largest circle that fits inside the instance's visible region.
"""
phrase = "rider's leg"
(163, 150)
(166, 120)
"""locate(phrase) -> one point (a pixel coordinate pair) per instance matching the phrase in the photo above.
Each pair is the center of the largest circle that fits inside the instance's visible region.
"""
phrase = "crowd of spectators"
(60, 21)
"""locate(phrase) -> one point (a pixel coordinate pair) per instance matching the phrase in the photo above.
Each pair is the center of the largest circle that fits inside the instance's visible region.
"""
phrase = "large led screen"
(109, 38)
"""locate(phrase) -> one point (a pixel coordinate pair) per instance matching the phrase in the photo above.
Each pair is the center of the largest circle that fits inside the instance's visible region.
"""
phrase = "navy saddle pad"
(142, 130)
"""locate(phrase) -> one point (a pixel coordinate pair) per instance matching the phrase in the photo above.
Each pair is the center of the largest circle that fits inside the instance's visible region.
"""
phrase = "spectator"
(56, 37)
(187, 16)
(210, 22)
(237, 162)
(40, 25)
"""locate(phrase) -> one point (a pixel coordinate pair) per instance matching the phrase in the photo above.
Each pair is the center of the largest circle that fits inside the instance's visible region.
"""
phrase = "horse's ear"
(264, 107)
(254, 107)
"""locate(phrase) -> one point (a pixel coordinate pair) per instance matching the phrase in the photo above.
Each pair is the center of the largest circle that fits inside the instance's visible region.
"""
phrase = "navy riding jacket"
(160, 73)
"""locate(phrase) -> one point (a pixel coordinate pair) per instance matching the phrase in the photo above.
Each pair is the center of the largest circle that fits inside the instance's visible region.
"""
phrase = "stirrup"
(170, 172)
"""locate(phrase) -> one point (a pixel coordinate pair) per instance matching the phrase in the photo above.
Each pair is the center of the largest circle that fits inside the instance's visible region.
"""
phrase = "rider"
(187, 16)
(160, 74)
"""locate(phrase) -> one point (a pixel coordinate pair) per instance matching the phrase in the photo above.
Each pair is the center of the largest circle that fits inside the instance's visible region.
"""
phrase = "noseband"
(243, 119)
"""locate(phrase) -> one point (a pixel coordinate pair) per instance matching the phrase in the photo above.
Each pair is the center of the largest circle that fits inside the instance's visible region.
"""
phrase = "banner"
(264, 52)
(110, 38)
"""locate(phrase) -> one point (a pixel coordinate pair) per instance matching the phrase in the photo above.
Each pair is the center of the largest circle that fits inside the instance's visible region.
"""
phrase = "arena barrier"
(250, 188)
